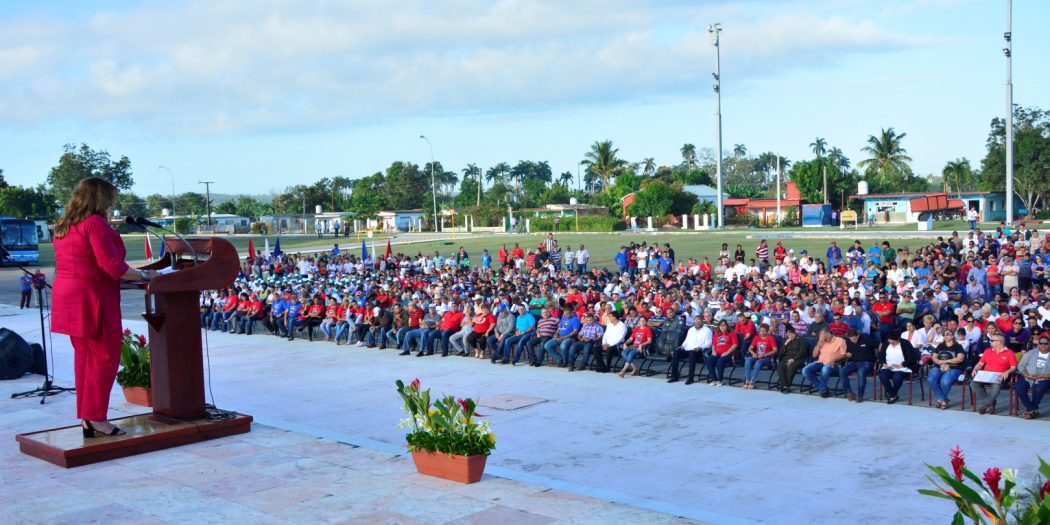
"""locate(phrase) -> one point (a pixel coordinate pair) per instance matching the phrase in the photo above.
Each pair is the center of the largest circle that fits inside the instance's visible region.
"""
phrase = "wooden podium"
(177, 372)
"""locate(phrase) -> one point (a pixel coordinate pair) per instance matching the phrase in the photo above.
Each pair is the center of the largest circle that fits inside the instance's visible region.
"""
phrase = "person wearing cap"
(1001, 362)
(1034, 377)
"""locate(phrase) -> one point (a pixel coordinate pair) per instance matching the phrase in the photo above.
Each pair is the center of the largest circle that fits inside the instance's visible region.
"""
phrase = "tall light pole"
(174, 225)
(433, 183)
(716, 32)
(579, 181)
(207, 200)
(1008, 51)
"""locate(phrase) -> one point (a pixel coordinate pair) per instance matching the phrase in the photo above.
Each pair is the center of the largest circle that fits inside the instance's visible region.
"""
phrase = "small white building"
(400, 220)
(227, 223)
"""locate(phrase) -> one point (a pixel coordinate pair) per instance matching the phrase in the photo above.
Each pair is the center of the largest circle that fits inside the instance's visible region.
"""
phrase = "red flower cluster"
(127, 331)
(1044, 490)
(142, 340)
(415, 384)
(992, 477)
(958, 462)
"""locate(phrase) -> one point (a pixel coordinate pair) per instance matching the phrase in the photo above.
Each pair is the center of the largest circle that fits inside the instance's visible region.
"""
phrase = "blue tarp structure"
(816, 215)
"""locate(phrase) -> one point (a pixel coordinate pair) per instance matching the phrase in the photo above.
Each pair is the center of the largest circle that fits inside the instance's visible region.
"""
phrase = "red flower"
(1044, 490)
(463, 403)
(127, 331)
(958, 462)
(415, 384)
(142, 340)
(992, 477)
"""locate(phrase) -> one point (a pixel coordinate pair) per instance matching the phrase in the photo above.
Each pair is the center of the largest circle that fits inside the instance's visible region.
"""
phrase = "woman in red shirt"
(725, 343)
(484, 323)
(639, 342)
(89, 265)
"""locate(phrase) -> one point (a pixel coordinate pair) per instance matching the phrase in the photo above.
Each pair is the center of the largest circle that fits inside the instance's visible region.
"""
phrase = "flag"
(251, 251)
(387, 256)
(163, 245)
(266, 246)
(364, 250)
(277, 248)
(149, 249)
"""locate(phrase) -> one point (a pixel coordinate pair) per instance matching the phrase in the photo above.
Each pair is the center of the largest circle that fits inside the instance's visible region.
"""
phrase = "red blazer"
(89, 261)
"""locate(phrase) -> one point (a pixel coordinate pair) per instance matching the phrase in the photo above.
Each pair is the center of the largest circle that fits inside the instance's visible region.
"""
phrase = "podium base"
(67, 447)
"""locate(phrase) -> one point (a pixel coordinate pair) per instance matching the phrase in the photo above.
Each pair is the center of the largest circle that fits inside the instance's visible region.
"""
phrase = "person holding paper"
(995, 365)
(89, 266)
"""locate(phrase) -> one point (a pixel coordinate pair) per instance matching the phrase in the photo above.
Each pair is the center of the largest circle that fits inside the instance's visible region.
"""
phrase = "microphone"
(133, 222)
(143, 222)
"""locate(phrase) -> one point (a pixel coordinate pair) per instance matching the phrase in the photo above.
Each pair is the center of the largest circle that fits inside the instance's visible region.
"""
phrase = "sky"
(259, 95)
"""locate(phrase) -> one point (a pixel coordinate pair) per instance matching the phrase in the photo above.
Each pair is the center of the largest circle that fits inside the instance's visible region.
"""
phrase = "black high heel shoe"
(90, 430)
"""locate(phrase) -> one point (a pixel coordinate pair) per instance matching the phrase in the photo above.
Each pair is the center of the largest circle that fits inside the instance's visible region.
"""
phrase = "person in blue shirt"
(335, 247)
(558, 346)
(621, 259)
(277, 310)
(27, 291)
(295, 307)
(875, 253)
(524, 329)
(834, 254)
(665, 263)
(922, 272)
(486, 260)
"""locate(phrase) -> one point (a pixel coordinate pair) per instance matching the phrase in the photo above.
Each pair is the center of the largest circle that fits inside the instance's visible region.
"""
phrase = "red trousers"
(95, 363)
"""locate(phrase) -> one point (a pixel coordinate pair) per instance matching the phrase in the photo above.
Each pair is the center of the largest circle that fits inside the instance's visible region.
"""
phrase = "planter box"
(138, 395)
(464, 469)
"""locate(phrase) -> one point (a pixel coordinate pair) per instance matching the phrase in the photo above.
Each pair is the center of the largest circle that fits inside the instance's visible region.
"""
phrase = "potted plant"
(134, 374)
(447, 440)
(982, 501)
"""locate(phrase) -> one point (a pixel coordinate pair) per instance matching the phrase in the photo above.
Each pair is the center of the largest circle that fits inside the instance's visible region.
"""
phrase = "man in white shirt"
(582, 256)
(569, 259)
(697, 340)
(614, 335)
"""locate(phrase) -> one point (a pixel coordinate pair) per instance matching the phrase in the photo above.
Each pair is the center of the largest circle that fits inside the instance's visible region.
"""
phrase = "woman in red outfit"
(89, 265)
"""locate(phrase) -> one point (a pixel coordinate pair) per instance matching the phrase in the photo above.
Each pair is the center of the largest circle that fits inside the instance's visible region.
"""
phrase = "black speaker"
(39, 361)
(16, 357)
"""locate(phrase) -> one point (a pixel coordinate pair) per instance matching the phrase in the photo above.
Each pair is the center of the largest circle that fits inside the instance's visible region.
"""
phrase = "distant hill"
(219, 198)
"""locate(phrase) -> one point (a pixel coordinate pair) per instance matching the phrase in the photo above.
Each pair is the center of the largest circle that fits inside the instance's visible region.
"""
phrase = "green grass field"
(602, 246)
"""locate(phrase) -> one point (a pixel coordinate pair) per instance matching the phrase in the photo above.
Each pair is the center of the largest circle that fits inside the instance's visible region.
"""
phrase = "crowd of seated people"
(971, 309)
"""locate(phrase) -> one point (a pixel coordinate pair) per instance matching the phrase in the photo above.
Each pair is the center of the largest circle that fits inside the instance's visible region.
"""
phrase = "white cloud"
(217, 67)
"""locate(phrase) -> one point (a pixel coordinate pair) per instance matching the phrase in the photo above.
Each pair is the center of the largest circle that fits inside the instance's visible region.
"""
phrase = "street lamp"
(433, 183)
(716, 32)
(1008, 36)
(174, 224)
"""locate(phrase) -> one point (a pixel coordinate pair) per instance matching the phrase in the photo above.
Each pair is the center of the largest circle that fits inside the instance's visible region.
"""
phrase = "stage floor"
(717, 455)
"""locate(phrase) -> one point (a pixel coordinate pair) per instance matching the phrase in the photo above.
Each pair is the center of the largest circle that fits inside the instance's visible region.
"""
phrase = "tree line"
(602, 177)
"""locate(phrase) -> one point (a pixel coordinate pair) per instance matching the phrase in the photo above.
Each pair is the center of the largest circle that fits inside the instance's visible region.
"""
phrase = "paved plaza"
(597, 448)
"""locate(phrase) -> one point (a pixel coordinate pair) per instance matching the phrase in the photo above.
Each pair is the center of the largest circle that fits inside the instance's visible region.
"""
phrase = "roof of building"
(702, 190)
(919, 194)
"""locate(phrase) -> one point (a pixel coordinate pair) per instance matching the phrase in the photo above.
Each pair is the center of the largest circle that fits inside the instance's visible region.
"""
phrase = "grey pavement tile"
(499, 515)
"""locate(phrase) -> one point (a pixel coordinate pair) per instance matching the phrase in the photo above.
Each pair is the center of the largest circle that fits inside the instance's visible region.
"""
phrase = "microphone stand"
(134, 223)
(142, 222)
(48, 388)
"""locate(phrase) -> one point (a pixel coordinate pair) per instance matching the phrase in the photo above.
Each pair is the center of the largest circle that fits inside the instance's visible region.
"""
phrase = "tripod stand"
(48, 388)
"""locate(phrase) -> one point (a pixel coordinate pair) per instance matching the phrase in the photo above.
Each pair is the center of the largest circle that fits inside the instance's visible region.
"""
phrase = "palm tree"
(566, 178)
(887, 154)
(957, 170)
(739, 150)
(603, 162)
(497, 173)
(819, 147)
(838, 159)
(689, 156)
(649, 164)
